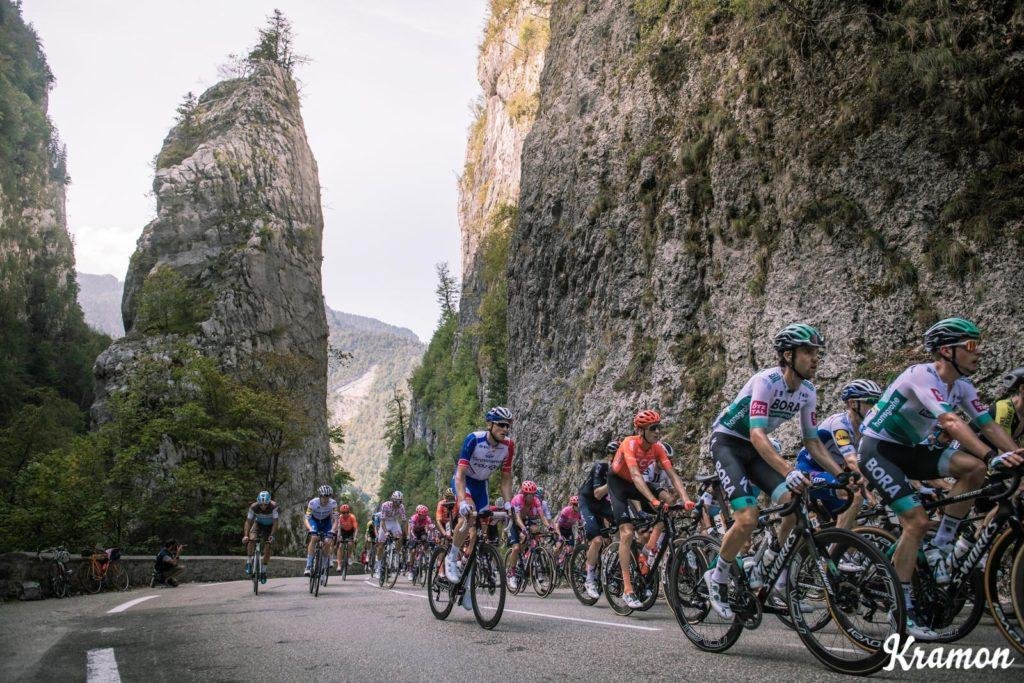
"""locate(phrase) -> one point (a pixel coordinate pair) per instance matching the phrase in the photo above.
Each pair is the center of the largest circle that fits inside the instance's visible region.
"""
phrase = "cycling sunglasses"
(971, 345)
(503, 425)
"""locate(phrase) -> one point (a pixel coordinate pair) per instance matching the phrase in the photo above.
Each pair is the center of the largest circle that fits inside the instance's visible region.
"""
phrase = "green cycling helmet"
(949, 332)
(796, 335)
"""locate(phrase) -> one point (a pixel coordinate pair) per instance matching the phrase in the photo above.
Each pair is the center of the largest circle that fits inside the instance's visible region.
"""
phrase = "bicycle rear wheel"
(344, 563)
(519, 571)
(1004, 571)
(700, 624)
(488, 587)
(91, 578)
(439, 588)
(576, 567)
(60, 586)
(866, 605)
(542, 572)
(314, 576)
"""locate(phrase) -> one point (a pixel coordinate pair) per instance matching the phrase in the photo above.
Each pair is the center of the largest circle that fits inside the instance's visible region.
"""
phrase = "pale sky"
(385, 101)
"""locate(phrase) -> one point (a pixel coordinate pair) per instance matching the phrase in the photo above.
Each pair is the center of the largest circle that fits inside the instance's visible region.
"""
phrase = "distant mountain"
(383, 357)
(100, 299)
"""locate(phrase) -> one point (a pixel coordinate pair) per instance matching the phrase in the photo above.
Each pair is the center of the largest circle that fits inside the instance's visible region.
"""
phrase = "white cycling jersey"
(391, 512)
(765, 401)
(908, 412)
(317, 511)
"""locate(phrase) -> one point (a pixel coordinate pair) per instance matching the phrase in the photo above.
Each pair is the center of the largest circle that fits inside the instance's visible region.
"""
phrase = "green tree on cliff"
(276, 43)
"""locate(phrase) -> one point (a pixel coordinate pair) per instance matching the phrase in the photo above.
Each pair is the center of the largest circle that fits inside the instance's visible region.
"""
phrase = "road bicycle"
(829, 570)
(321, 569)
(483, 575)
(58, 576)
(256, 562)
(534, 565)
(104, 569)
(419, 559)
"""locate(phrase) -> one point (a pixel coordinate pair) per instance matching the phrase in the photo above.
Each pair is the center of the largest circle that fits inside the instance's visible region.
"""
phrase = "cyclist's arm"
(759, 438)
(998, 436)
(962, 432)
(673, 476)
(506, 483)
(638, 481)
(519, 519)
(600, 491)
(460, 485)
(248, 525)
(821, 456)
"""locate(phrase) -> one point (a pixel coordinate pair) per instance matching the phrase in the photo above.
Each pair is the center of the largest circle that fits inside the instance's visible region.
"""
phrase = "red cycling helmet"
(646, 418)
(421, 510)
(574, 500)
(527, 488)
(345, 508)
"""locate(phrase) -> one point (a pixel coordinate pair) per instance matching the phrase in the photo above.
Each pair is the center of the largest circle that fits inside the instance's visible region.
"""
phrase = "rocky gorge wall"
(239, 223)
(701, 173)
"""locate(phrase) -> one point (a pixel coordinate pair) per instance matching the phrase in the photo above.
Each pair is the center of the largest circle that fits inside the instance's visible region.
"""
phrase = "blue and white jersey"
(480, 459)
(838, 435)
(317, 511)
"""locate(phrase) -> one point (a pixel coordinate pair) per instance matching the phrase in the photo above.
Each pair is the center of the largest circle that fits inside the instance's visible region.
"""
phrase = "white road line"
(101, 666)
(131, 603)
(613, 624)
(218, 583)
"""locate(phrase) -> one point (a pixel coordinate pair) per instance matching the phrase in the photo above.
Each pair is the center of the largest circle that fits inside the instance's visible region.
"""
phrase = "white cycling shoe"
(451, 569)
(512, 581)
(715, 599)
(592, 590)
(632, 601)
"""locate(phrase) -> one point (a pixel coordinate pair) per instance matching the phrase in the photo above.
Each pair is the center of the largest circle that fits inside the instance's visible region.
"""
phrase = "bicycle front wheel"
(518, 570)
(690, 603)
(611, 578)
(848, 576)
(488, 587)
(257, 565)
(91, 578)
(394, 561)
(542, 572)
(1004, 572)
(439, 588)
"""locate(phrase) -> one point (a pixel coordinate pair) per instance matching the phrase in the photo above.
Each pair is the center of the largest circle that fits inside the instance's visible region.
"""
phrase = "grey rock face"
(668, 227)
(239, 216)
(100, 298)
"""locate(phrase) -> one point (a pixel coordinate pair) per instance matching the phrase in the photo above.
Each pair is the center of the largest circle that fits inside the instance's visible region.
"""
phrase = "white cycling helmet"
(325, 490)
(397, 496)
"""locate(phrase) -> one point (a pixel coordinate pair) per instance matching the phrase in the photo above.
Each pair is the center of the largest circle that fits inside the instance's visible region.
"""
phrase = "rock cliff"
(701, 173)
(100, 298)
(231, 263)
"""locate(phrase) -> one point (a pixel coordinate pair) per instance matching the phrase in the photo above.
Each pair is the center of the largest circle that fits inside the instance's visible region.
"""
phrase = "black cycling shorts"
(596, 514)
(349, 535)
(889, 467)
(621, 492)
(740, 467)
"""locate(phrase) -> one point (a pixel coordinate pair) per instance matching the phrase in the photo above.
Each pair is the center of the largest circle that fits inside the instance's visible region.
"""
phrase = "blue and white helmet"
(498, 414)
(325, 490)
(263, 498)
(861, 389)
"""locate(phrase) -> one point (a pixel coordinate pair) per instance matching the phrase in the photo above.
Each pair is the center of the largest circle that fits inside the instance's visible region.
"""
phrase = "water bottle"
(753, 571)
(937, 563)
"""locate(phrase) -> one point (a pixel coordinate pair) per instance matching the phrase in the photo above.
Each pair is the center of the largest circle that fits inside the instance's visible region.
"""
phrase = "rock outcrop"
(100, 298)
(700, 174)
(239, 222)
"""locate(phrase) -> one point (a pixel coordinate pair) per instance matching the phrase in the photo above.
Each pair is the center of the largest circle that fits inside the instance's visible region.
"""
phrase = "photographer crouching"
(168, 565)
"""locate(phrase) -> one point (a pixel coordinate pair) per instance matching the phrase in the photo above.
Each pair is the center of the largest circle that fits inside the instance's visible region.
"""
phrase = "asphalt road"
(356, 631)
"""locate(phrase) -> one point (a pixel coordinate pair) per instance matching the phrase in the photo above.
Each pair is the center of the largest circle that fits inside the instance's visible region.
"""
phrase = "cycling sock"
(453, 553)
(908, 595)
(590, 574)
(780, 583)
(947, 530)
(722, 571)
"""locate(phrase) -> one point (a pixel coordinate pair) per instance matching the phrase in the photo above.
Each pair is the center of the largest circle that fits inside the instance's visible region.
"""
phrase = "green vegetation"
(231, 438)
(186, 136)
(522, 107)
(168, 304)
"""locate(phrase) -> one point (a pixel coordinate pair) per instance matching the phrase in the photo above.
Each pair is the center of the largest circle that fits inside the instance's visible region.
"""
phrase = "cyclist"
(840, 433)
(658, 480)
(744, 456)
(626, 483)
(566, 522)
(443, 513)
(1008, 412)
(482, 453)
(596, 512)
(494, 522)
(527, 514)
(392, 522)
(543, 503)
(369, 538)
(260, 523)
(321, 514)
(898, 440)
(345, 530)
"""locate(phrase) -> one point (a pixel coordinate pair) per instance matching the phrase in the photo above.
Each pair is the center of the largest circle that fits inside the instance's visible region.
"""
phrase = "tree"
(168, 304)
(276, 44)
(447, 291)
(395, 424)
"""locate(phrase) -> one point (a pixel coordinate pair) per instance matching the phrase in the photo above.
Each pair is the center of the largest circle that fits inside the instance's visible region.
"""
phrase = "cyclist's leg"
(969, 472)
(730, 456)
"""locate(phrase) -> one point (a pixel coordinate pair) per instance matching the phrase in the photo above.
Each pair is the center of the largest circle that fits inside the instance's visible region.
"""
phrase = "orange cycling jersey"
(632, 453)
(444, 511)
(347, 522)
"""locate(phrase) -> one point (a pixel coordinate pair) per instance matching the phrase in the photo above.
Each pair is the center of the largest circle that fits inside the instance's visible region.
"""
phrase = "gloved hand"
(465, 508)
(796, 481)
